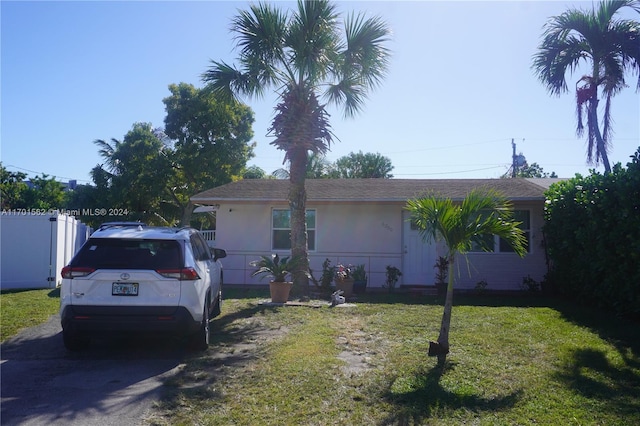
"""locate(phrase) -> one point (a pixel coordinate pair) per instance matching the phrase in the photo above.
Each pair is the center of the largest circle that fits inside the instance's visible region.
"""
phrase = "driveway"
(114, 382)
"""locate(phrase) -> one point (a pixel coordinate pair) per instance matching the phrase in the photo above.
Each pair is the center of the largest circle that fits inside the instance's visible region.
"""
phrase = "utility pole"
(514, 164)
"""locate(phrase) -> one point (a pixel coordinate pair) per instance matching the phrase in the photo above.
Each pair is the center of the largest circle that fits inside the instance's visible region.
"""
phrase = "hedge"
(592, 232)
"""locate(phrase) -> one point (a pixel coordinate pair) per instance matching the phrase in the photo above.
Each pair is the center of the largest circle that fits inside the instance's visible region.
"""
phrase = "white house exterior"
(35, 247)
(363, 221)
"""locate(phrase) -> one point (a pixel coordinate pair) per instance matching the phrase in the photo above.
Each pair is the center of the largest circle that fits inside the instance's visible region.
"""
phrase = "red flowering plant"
(343, 272)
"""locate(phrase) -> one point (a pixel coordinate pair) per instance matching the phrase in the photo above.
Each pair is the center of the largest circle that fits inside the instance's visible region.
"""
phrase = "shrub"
(592, 232)
(481, 286)
(529, 284)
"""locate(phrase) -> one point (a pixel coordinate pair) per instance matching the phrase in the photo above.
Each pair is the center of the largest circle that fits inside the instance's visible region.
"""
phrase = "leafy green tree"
(531, 171)
(12, 188)
(254, 172)
(136, 172)
(609, 46)
(45, 193)
(298, 56)
(212, 142)
(534, 171)
(483, 212)
(318, 167)
(361, 165)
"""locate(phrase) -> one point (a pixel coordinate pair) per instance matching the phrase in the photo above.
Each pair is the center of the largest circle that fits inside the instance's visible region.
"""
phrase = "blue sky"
(459, 88)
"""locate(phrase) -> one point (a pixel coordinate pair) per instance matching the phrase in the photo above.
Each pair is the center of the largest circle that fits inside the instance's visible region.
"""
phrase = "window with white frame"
(281, 229)
(497, 244)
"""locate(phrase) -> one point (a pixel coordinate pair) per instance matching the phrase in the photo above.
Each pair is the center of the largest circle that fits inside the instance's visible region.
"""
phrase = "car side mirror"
(218, 253)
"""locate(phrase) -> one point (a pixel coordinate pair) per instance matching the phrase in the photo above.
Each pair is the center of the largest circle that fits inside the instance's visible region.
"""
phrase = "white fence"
(210, 237)
(34, 248)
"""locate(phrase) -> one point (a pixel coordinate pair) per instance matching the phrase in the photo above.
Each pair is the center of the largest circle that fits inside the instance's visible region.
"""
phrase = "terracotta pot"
(280, 291)
(345, 285)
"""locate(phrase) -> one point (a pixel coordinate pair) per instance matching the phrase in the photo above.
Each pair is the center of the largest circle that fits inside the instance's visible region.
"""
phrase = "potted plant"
(344, 279)
(359, 279)
(278, 269)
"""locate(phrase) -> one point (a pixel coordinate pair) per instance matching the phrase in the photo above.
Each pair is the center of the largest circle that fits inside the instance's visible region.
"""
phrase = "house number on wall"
(387, 227)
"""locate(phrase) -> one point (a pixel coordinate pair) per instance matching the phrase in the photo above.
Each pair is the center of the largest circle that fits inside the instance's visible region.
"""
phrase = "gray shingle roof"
(366, 190)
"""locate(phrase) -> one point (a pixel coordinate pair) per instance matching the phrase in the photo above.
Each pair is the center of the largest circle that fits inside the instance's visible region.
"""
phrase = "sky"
(459, 89)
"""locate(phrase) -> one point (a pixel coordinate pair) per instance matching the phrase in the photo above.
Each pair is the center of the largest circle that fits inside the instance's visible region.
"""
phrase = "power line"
(48, 174)
(447, 173)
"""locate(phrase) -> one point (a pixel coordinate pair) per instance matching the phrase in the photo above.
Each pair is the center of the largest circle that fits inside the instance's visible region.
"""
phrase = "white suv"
(129, 277)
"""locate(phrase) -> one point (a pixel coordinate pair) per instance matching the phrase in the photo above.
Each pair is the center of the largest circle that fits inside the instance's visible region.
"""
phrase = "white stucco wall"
(370, 234)
(505, 271)
(366, 234)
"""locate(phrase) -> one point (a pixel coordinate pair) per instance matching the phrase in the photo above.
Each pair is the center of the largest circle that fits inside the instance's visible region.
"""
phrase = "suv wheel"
(200, 340)
(73, 342)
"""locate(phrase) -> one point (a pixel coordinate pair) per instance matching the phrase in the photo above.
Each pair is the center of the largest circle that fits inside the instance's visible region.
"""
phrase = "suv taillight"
(71, 272)
(184, 274)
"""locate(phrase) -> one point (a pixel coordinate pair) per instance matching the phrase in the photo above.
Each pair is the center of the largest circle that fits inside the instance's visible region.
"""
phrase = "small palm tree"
(609, 46)
(303, 56)
(484, 212)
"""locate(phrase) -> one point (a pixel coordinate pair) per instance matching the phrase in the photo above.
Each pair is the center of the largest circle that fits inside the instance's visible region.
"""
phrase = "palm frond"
(108, 152)
(312, 39)
(260, 33)
(366, 57)
(226, 81)
(483, 212)
(625, 35)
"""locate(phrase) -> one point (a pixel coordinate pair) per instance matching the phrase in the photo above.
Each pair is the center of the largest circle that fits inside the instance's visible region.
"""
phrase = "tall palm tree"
(609, 46)
(483, 213)
(302, 57)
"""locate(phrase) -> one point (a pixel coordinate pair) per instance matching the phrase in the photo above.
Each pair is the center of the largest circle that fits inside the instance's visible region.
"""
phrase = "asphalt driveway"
(114, 382)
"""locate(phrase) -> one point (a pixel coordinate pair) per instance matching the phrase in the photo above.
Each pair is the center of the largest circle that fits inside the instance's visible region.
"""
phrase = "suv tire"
(73, 342)
(200, 340)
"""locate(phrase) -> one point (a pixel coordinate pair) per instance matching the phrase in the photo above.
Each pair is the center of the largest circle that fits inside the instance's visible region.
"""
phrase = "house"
(363, 221)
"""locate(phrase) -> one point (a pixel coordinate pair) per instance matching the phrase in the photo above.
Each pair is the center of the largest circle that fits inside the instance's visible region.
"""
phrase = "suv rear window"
(113, 253)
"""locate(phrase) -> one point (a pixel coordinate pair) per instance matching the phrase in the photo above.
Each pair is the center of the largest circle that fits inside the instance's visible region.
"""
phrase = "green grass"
(26, 308)
(513, 361)
(510, 363)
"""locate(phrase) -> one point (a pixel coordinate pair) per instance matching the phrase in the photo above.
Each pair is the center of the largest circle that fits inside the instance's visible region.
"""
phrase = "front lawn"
(513, 361)
(26, 308)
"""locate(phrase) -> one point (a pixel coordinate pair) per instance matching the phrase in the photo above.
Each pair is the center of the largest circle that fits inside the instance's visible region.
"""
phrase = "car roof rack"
(108, 225)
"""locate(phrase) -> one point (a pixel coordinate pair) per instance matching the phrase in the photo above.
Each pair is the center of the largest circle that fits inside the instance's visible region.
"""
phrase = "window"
(117, 253)
(281, 229)
(525, 225)
(200, 249)
(493, 242)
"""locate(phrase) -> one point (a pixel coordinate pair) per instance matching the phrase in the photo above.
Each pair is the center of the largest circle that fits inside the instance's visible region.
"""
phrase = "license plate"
(124, 289)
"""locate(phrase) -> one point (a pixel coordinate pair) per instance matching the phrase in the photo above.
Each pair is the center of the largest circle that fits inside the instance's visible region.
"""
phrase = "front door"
(419, 257)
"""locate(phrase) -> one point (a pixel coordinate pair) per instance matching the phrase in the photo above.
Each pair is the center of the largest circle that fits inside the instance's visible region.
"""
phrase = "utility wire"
(48, 174)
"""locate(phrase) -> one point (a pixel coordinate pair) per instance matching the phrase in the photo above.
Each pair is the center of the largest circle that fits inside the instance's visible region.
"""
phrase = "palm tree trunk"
(443, 338)
(297, 204)
(600, 145)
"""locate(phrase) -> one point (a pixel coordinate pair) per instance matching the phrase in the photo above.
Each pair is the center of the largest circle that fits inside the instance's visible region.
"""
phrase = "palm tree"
(108, 152)
(611, 47)
(482, 214)
(303, 56)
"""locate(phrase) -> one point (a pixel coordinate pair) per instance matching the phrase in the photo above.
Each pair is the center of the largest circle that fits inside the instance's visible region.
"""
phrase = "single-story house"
(363, 221)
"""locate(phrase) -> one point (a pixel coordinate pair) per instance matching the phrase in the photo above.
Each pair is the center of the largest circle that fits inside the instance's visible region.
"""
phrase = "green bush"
(592, 230)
